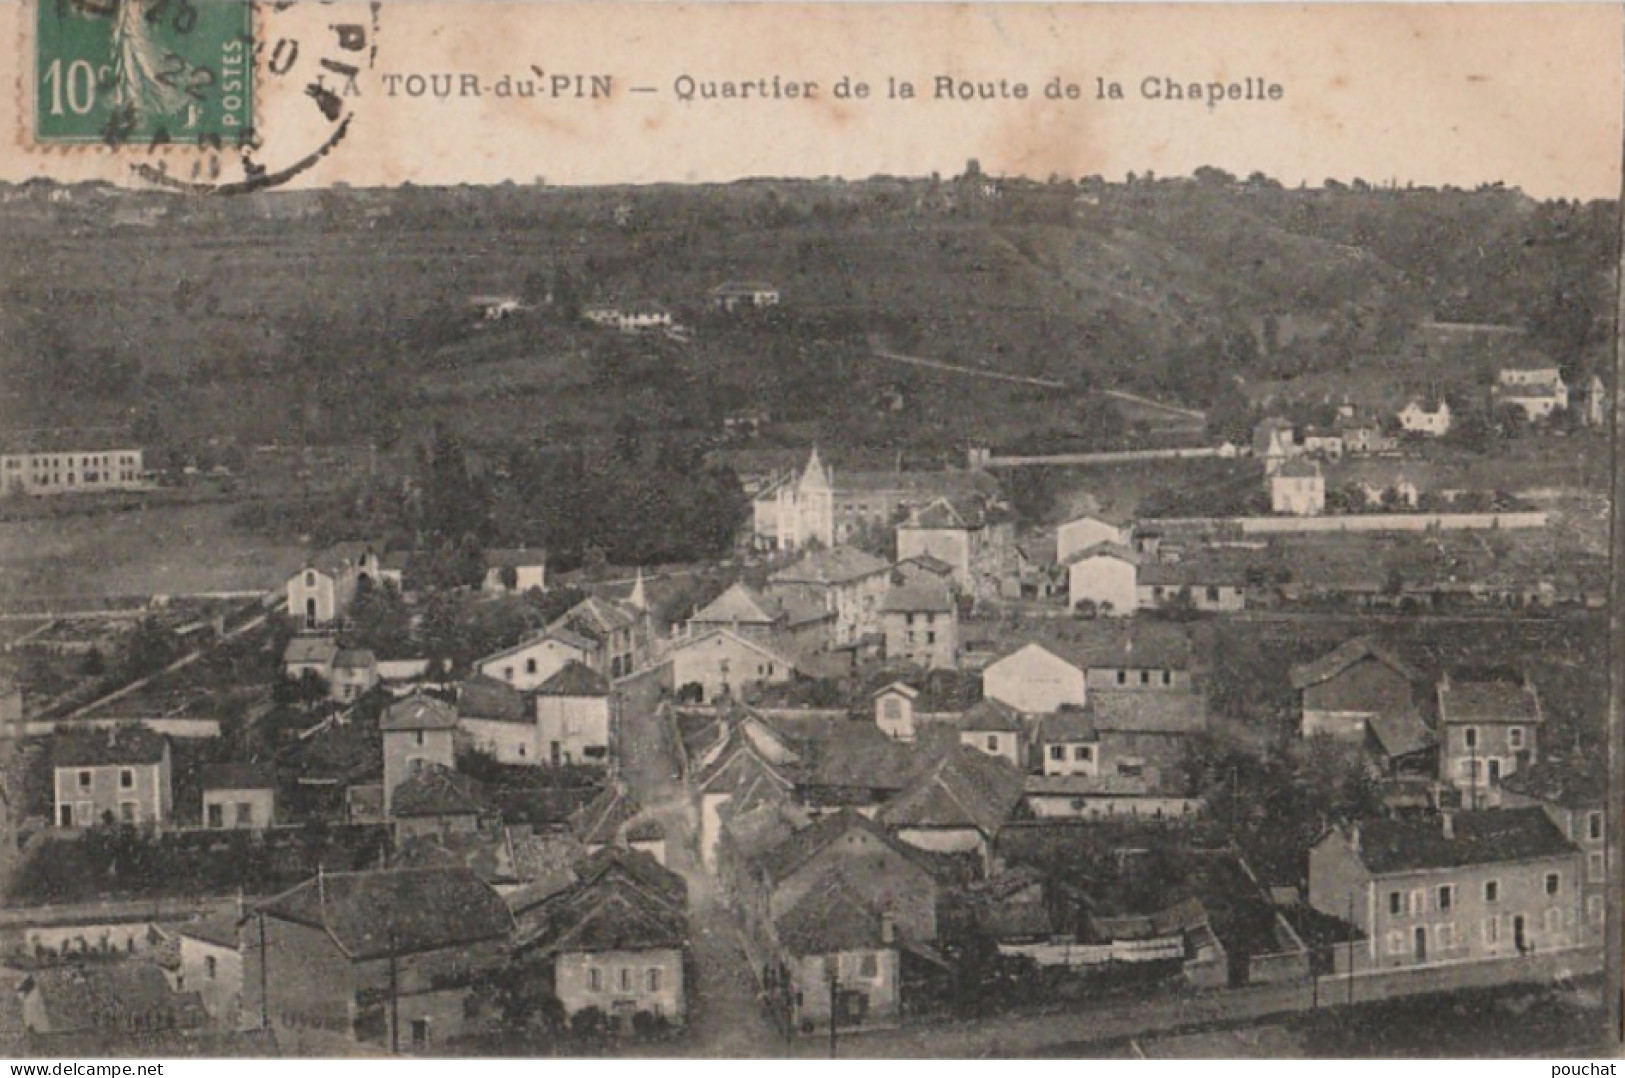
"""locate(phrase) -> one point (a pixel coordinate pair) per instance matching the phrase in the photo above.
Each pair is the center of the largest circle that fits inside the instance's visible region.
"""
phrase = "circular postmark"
(203, 96)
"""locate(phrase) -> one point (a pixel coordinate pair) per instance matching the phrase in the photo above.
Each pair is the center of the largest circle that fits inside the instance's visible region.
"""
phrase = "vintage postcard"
(809, 530)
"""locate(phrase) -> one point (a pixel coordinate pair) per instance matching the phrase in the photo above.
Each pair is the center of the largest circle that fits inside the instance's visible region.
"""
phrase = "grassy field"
(164, 550)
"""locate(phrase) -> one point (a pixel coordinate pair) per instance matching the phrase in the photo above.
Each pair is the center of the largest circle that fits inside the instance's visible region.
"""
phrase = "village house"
(1358, 684)
(958, 802)
(731, 296)
(355, 672)
(417, 731)
(211, 964)
(1034, 679)
(1275, 441)
(615, 818)
(920, 624)
(1089, 530)
(1211, 581)
(791, 621)
(1068, 743)
(615, 940)
(1536, 387)
(902, 709)
(839, 960)
(30, 465)
(529, 663)
(1467, 887)
(1104, 579)
(238, 796)
(386, 958)
(1573, 792)
(518, 571)
(722, 662)
(312, 655)
(573, 717)
(1419, 417)
(321, 591)
(122, 774)
(126, 999)
(995, 729)
(438, 801)
(1141, 655)
(1122, 755)
(847, 582)
(1323, 444)
(1489, 728)
(497, 720)
(942, 531)
(1591, 400)
(1298, 488)
(620, 632)
(1362, 435)
(636, 317)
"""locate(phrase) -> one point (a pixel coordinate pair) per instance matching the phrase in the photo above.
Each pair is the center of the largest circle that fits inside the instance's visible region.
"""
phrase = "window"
(310, 580)
(1596, 866)
(652, 979)
(1515, 737)
(1212, 594)
(1492, 930)
(210, 967)
(530, 666)
(1167, 677)
(1554, 881)
(869, 966)
(1492, 890)
(1445, 934)
(1145, 677)
(84, 780)
(595, 980)
(626, 979)
(930, 638)
(1418, 903)
(1594, 826)
(126, 778)
(1469, 737)
(1083, 752)
(1396, 942)
(1446, 894)
(1396, 903)
(1057, 752)
(245, 814)
(992, 742)
(420, 1034)
(126, 811)
(891, 709)
(507, 673)
(1122, 677)
(1594, 909)
(420, 737)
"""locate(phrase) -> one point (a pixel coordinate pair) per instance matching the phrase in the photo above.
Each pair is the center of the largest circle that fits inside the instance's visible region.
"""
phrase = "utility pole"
(834, 997)
(1351, 948)
(1613, 819)
(265, 993)
(394, 1000)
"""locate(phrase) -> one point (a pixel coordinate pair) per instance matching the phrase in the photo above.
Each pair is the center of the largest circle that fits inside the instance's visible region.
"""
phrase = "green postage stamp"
(143, 72)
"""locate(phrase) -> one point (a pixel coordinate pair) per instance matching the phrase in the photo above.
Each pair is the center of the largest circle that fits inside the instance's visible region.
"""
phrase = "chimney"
(888, 929)
(1447, 823)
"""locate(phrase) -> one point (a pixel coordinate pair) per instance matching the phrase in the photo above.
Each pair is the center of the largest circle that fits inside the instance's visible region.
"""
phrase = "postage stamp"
(142, 72)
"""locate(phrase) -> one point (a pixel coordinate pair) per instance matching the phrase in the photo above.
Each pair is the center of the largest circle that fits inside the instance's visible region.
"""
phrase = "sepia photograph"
(809, 531)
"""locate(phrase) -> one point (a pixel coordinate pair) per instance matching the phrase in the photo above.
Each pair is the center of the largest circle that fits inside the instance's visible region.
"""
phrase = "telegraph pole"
(1351, 948)
(394, 1000)
(265, 993)
(1613, 819)
(834, 993)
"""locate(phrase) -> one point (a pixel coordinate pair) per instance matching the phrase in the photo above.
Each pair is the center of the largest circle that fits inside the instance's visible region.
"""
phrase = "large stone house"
(573, 716)
(1358, 687)
(847, 582)
(417, 731)
(920, 624)
(122, 774)
(321, 591)
(1489, 728)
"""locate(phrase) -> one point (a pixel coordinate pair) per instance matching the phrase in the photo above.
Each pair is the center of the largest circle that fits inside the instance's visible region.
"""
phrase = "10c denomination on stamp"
(142, 72)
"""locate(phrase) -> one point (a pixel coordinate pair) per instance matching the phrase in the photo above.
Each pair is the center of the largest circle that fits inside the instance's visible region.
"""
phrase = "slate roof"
(485, 697)
(782, 861)
(355, 659)
(929, 563)
(1141, 645)
(638, 867)
(600, 821)
(1067, 725)
(920, 597)
(1572, 782)
(419, 712)
(596, 616)
(990, 715)
(1157, 712)
(1400, 733)
(514, 559)
(940, 515)
(739, 604)
(236, 776)
(117, 995)
(608, 914)
(1345, 655)
(1488, 837)
(1207, 568)
(1488, 702)
(371, 914)
(755, 645)
(1106, 549)
(135, 743)
(830, 565)
(307, 650)
(437, 790)
(961, 787)
(217, 931)
(860, 757)
(574, 679)
(830, 918)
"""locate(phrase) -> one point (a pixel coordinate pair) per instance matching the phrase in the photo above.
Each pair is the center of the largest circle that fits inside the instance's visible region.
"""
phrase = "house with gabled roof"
(1035, 678)
(620, 634)
(386, 958)
(1489, 728)
(355, 673)
(616, 818)
(790, 621)
(745, 764)
(1573, 792)
(902, 708)
(310, 654)
(1298, 488)
(845, 581)
(1474, 886)
(995, 729)
(321, 591)
(941, 530)
(530, 662)
(1089, 530)
(574, 713)
(417, 731)
(724, 663)
(238, 796)
(958, 801)
(614, 940)
(437, 800)
(835, 929)
(496, 719)
(856, 766)
(514, 571)
(920, 625)
(122, 774)
(1344, 690)
(1105, 576)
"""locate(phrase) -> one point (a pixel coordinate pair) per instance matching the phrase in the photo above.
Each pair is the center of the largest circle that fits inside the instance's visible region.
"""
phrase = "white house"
(1106, 575)
(1034, 680)
(722, 662)
(320, 592)
(1298, 488)
(1417, 418)
(573, 717)
(527, 665)
(1536, 388)
(1081, 533)
(514, 571)
(994, 728)
(743, 295)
